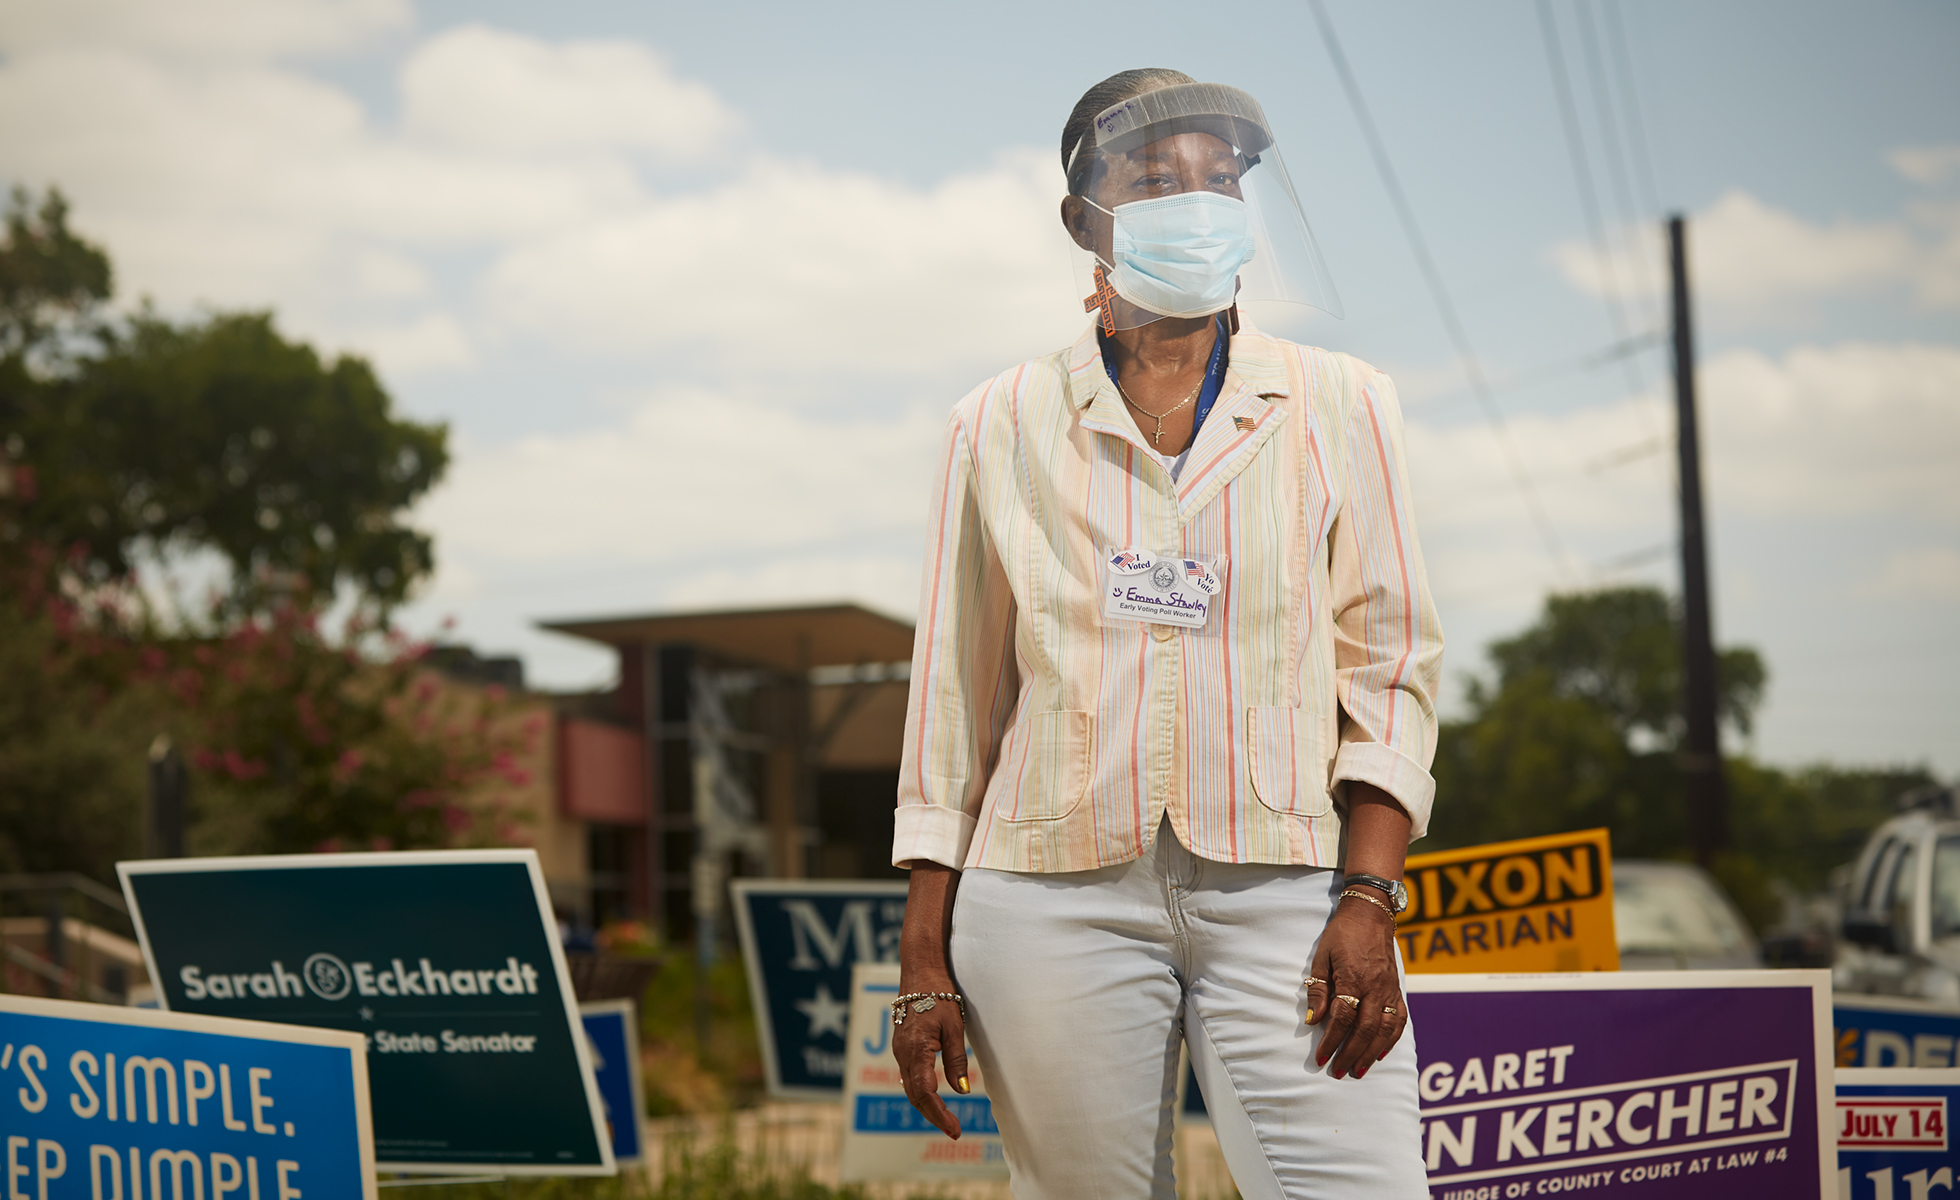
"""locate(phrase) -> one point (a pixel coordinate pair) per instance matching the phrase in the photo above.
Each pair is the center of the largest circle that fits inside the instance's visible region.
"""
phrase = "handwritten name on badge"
(1159, 589)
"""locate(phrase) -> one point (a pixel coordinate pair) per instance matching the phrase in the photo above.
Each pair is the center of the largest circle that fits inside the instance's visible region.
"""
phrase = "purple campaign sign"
(1672, 1084)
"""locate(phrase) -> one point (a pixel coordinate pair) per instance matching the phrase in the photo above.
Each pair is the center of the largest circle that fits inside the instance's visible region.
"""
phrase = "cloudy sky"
(694, 286)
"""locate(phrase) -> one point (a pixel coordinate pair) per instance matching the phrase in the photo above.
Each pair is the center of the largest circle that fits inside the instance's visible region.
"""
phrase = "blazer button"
(1163, 632)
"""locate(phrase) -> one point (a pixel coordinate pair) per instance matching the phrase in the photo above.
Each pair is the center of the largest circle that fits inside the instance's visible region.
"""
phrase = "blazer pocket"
(1054, 766)
(1288, 775)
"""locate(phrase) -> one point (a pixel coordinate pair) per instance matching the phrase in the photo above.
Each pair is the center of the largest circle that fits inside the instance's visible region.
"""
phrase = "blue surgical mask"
(1179, 256)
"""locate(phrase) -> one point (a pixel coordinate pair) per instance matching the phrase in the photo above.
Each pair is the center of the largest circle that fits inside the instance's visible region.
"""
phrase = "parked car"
(1902, 905)
(1672, 917)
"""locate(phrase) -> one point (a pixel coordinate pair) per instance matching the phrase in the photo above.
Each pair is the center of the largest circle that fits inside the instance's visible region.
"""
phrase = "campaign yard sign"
(1893, 1140)
(612, 1031)
(1678, 1084)
(110, 1103)
(446, 962)
(884, 1136)
(1893, 1031)
(800, 939)
(1538, 904)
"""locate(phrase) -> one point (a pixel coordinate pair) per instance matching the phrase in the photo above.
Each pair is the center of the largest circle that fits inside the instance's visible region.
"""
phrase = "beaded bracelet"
(924, 1002)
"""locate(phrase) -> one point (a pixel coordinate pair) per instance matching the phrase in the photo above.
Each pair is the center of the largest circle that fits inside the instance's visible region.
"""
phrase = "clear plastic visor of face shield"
(1180, 206)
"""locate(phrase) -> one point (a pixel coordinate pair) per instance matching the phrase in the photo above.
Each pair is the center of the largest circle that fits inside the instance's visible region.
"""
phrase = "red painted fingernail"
(1362, 1071)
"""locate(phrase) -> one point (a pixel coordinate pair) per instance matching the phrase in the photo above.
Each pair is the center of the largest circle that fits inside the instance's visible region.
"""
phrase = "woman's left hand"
(1356, 958)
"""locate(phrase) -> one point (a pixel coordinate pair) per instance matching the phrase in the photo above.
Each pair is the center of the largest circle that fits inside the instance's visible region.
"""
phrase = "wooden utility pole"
(1701, 752)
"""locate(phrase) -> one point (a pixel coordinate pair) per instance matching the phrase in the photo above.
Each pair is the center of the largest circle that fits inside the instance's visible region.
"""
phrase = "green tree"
(126, 435)
(73, 735)
(1579, 726)
(50, 280)
(144, 434)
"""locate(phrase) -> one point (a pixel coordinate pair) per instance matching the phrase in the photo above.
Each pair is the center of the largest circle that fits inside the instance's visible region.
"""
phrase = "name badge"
(1158, 589)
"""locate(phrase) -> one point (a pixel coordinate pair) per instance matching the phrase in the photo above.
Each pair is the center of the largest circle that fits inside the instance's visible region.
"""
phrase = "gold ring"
(1353, 1001)
(1389, 1011)
(1310, 981)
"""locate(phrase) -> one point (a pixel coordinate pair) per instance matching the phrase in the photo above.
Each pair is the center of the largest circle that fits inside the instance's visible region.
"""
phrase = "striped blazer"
(1042, 736)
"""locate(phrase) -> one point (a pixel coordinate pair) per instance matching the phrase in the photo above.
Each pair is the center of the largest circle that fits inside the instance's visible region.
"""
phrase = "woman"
(1172, 702)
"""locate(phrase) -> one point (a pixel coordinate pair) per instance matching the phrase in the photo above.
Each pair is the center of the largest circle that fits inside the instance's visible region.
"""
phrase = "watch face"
(1400, 898)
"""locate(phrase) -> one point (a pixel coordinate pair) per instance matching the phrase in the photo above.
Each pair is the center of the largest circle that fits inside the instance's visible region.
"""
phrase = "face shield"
(1180, 206)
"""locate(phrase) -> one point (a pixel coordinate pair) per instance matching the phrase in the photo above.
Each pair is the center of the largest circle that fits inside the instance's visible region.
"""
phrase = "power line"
(1472, 366)
(1582, 177)
(1637, 127)
(1609, 133)
(1580, 364)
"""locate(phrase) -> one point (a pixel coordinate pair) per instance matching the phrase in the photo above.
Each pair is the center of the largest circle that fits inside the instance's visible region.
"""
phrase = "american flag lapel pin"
(1244, 424)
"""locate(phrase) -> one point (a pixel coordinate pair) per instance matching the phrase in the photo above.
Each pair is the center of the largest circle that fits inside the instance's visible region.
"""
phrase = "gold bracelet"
(1370, 899)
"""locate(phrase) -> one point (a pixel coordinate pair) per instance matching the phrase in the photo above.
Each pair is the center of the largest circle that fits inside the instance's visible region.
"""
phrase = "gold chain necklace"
(1158, 437)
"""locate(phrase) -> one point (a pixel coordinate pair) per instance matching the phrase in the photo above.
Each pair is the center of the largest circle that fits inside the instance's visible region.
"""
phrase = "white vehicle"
(1671, 916)
(1902, 906)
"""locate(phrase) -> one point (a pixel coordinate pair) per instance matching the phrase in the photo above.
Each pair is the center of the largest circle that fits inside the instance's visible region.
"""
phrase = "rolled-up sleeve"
(1388, 642)
(963, 678)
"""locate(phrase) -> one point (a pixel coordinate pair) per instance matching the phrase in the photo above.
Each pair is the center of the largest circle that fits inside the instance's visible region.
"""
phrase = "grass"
(689, 1171)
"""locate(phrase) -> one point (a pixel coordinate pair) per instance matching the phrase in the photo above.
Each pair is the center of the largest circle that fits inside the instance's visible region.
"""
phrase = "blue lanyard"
(1214, 374)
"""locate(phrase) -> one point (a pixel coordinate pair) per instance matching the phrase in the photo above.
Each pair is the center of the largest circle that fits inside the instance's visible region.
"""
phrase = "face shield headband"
(1229, 229)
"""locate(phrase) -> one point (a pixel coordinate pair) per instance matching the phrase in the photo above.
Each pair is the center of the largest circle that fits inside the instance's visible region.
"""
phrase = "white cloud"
(433, 342)
(247, 184)
(886, 582)
(1925, 164)
(796, 266)
(693, 472)
(496, 91)
(202, 31)
(1746, 253)
(1930, 573)
(1852, 428)
(1823, 431)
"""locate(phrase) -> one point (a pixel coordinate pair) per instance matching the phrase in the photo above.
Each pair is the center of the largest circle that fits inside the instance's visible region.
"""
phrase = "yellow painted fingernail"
(963, 1086)
(1310, 1016)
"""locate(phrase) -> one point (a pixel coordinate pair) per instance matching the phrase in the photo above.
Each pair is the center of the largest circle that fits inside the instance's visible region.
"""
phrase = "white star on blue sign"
(827, 1013)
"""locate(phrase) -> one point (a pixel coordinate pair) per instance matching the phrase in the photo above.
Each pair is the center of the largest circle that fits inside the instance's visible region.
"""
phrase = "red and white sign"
(1892, 1123)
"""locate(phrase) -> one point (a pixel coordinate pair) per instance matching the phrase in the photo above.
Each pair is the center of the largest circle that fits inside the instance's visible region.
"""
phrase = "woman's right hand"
(939, 1031)
(916, 1044)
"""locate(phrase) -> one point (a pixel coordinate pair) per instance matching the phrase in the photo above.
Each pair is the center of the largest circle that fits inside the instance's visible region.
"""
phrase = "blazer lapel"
(1251, 408)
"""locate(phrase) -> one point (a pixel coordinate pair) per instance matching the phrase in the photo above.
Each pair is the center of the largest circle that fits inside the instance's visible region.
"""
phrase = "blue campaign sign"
(107, 1103)
(612, 1030)
(1892, 1031)
(1892, 1134)
(447, 962)
(800, 938)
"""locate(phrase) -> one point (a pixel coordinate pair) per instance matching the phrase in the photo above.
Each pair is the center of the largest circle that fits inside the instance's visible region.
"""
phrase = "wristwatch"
(1398, 896)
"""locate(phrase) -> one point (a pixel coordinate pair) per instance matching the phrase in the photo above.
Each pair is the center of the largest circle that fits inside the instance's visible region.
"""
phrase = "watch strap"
(1388, 887)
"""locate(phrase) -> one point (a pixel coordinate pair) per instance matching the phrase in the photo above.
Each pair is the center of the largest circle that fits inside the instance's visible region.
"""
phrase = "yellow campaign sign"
(1537, 904)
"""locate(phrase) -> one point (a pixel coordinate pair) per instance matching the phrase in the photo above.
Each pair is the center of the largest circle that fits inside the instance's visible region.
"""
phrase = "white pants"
(1080, 985)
